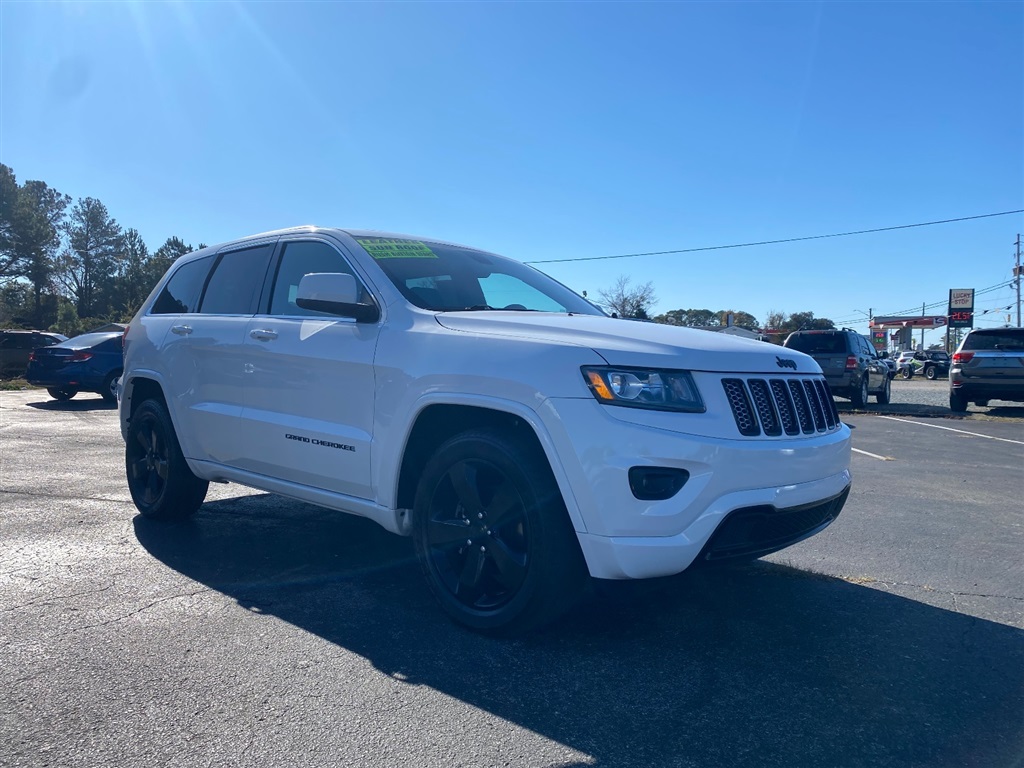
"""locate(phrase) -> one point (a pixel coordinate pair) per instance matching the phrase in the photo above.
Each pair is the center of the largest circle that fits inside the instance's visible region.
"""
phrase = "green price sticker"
(382, 248)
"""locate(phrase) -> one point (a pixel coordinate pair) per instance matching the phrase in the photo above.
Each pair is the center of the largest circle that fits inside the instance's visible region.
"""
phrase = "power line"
(775, 242)
(933, 305)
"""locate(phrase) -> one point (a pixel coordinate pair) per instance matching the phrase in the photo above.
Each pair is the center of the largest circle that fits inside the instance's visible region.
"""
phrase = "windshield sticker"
(380, 248)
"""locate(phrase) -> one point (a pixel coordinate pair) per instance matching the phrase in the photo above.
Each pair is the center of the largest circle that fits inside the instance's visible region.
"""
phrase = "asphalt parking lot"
(267, 632)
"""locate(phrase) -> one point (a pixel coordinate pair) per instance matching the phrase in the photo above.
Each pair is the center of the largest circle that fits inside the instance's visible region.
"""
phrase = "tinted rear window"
(181, 294)
(818, 343)
(1007, 338)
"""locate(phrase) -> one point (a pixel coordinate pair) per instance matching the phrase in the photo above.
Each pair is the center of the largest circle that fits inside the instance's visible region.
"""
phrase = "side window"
(301, 258)
(234, 286)
(181, 294)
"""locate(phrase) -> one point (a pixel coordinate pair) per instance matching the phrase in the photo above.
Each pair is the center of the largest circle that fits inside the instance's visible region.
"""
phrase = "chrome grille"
(776, 406)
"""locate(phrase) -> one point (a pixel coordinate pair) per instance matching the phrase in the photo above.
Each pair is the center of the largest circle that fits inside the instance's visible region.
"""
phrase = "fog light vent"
(656, 483)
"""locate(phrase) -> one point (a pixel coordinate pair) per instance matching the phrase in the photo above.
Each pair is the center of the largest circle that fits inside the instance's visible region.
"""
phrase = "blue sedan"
(91, 362)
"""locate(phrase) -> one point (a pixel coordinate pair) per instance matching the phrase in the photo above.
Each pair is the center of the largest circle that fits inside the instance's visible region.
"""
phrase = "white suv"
(523, 438)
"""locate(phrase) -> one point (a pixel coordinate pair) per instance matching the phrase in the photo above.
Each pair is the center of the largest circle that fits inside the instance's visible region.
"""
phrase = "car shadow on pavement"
(85, 404)
(750, 666)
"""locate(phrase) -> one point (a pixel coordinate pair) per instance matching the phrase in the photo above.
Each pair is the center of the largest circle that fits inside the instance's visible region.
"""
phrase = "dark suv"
(989, 365)
(17, 345)
(852, 368)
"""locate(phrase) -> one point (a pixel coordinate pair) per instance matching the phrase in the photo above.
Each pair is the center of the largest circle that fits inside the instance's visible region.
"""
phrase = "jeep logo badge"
(785, 363)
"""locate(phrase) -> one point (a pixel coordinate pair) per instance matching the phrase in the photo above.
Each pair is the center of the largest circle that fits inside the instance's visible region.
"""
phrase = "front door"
(309, 393)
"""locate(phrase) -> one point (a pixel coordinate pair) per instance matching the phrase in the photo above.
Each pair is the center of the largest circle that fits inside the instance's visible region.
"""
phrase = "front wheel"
(957, 402)
(883, 397)
(161, 484)
(930, 373)
(63, 395)
(907, 372)
(492, 535)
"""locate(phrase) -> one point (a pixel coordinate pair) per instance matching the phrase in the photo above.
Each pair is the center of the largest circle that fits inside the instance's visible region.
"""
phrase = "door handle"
(181, 330)
(263, 335)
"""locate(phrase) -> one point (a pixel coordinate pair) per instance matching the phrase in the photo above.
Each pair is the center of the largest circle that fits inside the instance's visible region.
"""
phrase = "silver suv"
(989, 365)
(852, 368)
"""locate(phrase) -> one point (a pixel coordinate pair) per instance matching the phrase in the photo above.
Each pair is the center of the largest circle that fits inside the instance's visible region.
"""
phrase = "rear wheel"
(957, 402)
(109, 389)
(493, 537)
(161, 484)
(981, 403)
(63, 395)
(860, 396)
(883, 397)
(907, 372)
(930, 373)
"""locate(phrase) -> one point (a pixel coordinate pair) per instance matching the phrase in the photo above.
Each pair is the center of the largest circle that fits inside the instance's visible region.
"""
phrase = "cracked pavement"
(267, 632)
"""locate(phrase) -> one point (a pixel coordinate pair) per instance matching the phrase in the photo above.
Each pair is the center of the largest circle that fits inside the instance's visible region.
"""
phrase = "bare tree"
(627, 301)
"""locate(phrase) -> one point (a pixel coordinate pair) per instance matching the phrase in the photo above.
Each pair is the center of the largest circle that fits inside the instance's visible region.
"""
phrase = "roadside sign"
(961, 308)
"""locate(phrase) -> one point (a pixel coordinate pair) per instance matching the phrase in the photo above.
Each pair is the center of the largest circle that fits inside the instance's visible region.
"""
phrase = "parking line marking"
(874, 455)
(950, 429)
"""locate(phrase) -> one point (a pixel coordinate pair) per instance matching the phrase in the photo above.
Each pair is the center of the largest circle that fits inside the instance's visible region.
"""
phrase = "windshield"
(447, 278)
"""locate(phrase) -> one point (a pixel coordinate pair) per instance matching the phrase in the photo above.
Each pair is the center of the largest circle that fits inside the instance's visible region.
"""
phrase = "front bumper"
(624, 537)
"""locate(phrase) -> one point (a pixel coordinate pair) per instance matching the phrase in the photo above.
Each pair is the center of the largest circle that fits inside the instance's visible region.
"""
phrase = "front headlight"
(644, 388)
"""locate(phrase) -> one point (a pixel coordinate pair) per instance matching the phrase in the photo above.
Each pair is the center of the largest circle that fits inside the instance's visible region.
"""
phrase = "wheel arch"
(436, 422)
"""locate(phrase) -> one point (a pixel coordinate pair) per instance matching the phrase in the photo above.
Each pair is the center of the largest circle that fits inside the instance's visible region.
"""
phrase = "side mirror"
(336, 293)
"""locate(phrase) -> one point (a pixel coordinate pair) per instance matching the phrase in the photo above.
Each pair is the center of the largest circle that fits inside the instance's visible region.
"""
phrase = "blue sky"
(553, 131)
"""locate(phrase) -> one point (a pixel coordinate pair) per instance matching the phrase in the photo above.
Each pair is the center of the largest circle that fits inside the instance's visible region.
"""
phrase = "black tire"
(883, 397)
(860, 396)
(981, 403)
(161, 484)
(62, 394)
(109, 391)
(957, 402)
(930, 373)
(493, 537)
(907, 372)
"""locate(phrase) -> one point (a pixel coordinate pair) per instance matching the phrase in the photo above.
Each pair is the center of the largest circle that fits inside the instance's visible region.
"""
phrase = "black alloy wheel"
(477, 534)
(161, 484)
(492, 535)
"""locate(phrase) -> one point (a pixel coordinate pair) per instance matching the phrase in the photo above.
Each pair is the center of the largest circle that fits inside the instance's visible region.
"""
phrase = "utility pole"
(1017, 274)
(922, 327)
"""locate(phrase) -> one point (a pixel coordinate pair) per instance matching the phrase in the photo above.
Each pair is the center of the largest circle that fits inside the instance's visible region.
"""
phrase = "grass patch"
(13, 385)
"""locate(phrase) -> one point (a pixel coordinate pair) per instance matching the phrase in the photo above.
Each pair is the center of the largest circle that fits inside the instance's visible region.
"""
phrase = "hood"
(637, 344)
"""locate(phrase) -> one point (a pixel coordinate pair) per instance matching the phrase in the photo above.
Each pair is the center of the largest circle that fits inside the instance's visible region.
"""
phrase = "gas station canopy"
(917, 321)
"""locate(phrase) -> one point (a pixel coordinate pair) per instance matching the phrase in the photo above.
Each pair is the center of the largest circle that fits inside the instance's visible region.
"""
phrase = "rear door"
(203, 353)
(309, 395)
